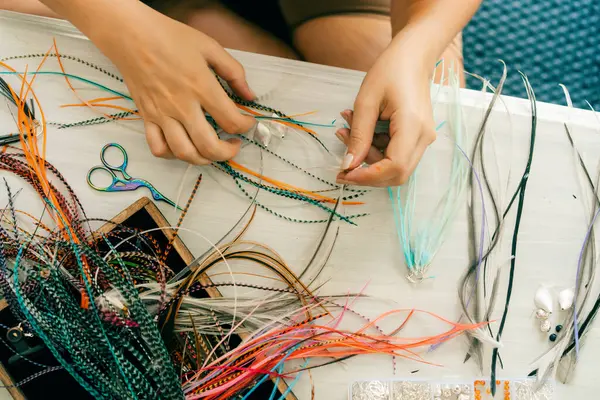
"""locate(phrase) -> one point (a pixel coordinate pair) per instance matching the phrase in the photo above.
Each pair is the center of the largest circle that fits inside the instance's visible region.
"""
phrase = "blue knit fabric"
(551, 41)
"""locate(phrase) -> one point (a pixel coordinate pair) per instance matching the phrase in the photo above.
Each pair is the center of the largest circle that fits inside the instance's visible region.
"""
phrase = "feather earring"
(421, 243)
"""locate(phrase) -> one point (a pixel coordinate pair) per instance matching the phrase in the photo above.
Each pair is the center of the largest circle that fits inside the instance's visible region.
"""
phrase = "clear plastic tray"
(478, 389)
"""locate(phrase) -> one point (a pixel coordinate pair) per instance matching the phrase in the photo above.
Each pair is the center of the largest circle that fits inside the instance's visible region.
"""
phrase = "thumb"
(364, 119)
(231, 70)
(374, 155)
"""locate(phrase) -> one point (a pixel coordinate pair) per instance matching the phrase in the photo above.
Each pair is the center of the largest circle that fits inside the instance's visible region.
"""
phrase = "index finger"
(206, 140)
(224, 110)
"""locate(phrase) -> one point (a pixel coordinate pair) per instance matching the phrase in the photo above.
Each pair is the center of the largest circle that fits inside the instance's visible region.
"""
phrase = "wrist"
(428, 27)
(415, 46)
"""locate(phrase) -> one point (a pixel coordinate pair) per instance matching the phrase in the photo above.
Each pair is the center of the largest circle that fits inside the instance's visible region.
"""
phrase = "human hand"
(396, 88)
(379, 143)
(167, 68)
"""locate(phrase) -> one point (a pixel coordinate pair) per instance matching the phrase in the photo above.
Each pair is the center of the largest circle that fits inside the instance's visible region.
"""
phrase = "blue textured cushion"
(552, 41)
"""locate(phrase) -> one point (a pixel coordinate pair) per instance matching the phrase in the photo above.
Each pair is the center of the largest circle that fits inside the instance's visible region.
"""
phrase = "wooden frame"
(5, 377)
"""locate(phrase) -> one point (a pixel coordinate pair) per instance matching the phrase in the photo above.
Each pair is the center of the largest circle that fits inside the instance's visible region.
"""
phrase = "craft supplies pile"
(124, 322)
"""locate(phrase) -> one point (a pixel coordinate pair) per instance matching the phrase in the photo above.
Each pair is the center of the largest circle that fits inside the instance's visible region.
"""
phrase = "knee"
(232, 31)
(452, 62)
(351, 41)
(33, 7)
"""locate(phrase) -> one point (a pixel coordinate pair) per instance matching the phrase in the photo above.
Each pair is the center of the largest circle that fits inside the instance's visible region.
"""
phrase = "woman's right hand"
(166, 66)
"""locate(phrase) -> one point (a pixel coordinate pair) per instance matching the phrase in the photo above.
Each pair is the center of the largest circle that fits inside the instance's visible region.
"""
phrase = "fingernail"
(339, 136)
(343, 182)
(347, 161)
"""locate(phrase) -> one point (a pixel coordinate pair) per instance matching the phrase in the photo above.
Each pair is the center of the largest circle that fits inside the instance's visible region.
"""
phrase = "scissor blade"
(158, 196)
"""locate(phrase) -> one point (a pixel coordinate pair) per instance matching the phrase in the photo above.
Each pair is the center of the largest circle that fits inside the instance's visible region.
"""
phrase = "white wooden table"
(552, 229)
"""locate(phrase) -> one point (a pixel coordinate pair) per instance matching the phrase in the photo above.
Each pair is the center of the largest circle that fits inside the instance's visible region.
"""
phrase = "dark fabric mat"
(552, 41)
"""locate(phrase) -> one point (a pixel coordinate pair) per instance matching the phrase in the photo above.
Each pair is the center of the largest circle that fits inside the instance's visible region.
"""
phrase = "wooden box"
(143, 215)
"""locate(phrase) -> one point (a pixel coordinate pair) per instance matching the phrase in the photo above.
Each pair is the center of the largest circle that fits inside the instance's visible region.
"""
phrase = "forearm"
(100, 20)
(430, 25)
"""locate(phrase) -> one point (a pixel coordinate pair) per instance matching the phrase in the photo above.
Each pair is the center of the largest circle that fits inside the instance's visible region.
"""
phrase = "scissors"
(127, 183)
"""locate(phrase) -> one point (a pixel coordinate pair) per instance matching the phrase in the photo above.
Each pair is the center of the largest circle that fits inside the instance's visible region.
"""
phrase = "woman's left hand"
(396, 88)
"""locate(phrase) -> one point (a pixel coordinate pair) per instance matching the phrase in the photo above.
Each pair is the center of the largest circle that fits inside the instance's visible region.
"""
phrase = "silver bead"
(456, 389)
(545, 326)
(541, 314)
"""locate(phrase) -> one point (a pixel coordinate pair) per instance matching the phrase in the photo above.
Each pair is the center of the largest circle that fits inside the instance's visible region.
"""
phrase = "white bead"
(565, 299)
(545, 326)
(464, 397)
(456, 389)
(437, 398)
(447, 392)
(263, 134)
(466, 389)
(437, 392)
(543, 299)
(541, 314)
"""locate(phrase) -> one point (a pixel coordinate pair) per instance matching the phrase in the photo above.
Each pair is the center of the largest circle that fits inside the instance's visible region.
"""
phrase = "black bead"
(558, 328)
(553, 337)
